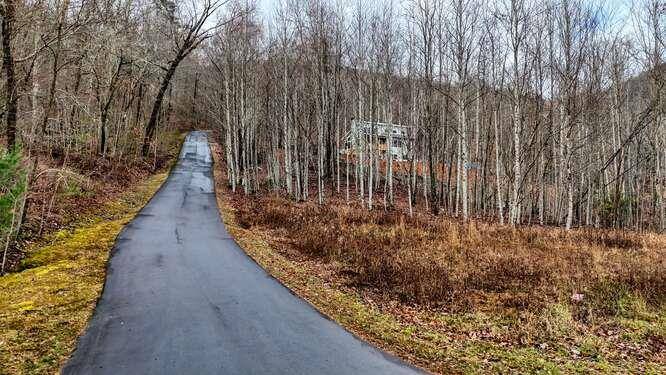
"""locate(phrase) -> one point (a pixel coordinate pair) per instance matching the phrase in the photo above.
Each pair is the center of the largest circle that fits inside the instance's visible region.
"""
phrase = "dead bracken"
(456, 265)
(504, 302)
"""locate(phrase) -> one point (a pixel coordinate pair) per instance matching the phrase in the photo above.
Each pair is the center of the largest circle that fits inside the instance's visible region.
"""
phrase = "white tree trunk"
(515, 199)
(464, 157)
(498, 175)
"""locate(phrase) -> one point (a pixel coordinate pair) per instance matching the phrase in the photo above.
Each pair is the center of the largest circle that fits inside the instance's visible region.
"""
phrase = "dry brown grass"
(465, 298)
(448, 264)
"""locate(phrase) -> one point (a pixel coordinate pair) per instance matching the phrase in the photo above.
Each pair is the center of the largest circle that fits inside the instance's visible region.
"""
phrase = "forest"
(522, 111)
(529, 112)
(423, 157)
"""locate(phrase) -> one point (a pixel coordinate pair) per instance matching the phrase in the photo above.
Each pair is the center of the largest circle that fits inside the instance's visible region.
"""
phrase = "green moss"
(45, 307)
(556, 320)
(73, 189)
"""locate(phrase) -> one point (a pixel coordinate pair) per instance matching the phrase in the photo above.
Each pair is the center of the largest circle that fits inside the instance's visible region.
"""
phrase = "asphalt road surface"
(182, 298)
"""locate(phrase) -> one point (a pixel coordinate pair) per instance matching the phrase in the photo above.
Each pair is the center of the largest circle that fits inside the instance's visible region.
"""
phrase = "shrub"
(456, 265)
(12, 187)
(613, 210)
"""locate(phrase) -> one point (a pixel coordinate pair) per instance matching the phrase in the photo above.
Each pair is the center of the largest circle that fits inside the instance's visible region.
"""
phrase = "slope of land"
(45, 307)
(182, 298)
(69, 187)
(455, 297)
(77, 206)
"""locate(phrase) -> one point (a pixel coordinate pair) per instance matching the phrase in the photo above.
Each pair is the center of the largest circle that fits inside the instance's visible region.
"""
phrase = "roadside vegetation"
(57, 264)
(454, 296)
(441, 262)
(46, 305)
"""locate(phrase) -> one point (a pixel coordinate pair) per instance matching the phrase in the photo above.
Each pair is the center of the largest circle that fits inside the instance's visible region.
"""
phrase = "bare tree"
(187, 28)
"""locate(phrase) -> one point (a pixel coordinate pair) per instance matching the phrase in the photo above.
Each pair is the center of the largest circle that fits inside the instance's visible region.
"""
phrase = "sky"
(621, 21)
(620, 9)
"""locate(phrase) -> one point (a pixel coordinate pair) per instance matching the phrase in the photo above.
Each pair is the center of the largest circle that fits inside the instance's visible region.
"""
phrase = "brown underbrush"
(456, 297)
(454, 265)
(65, 188)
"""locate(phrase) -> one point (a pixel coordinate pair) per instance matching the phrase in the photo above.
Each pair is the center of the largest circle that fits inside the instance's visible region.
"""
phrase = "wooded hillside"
(545, 112)
(522, 111)
(87, 102)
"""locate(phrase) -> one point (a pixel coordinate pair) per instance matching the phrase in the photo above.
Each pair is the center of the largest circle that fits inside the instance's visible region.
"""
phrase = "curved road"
(182, 298)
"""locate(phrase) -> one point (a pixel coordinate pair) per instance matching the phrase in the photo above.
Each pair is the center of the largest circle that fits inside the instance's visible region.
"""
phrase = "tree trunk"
(498, 186)
(157, 105)
(11, 92)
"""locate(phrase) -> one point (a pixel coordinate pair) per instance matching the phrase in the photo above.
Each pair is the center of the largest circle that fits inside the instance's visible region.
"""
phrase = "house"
(360, 136)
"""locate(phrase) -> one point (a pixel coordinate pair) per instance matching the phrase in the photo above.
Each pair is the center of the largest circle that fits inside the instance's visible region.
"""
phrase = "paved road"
(182, 298)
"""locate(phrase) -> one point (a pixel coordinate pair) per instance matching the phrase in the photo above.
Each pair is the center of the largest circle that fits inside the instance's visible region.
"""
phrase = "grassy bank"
(65, 190)
(464, 298)
(45, 306)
